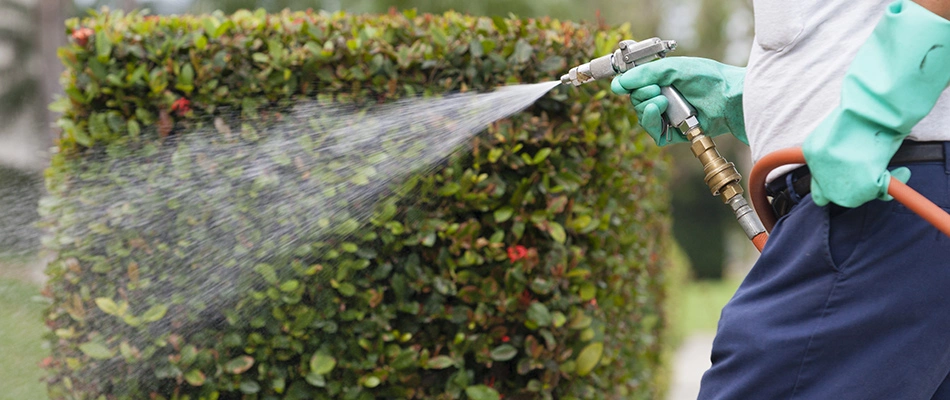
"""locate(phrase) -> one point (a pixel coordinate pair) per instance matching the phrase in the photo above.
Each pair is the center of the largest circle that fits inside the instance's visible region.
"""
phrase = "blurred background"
(32, 30)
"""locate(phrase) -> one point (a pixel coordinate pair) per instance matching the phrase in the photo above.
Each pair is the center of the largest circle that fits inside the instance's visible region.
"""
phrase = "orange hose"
(760, 171)
(920, 205)
(759, 241)
(901, 192)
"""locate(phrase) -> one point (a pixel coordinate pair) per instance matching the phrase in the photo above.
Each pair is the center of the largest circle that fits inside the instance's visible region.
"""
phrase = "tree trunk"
(711, 28)
(52, 36)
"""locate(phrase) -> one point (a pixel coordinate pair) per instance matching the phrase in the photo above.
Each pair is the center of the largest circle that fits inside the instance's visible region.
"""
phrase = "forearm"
(939, 7)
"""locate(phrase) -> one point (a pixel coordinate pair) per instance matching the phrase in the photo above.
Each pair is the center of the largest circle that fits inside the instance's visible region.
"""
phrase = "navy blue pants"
(843, 304)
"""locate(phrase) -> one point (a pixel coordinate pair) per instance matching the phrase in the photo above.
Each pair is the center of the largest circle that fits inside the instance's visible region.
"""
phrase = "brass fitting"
(723, 180)
(721, 175)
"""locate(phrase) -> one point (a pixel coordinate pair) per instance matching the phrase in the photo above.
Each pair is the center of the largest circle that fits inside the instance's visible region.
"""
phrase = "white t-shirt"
(801, 51)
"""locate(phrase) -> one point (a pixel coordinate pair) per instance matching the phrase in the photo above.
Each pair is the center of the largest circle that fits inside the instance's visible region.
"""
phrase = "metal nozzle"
(598, 68)
(629, 54)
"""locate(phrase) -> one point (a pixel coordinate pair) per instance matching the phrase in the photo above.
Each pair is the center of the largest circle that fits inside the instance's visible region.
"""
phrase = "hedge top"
(129, 72)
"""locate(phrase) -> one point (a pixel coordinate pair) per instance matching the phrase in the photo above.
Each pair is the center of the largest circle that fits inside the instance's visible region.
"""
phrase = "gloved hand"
(714, 89)
(893, 82)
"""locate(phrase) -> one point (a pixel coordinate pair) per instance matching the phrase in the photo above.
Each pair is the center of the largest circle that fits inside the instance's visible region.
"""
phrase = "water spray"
(679, 119)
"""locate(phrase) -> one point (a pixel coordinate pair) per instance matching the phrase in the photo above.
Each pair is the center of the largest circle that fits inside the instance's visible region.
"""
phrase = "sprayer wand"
(721, 175)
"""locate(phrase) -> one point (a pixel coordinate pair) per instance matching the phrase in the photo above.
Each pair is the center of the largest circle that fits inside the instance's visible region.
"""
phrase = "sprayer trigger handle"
(667, 129)
(679, 110)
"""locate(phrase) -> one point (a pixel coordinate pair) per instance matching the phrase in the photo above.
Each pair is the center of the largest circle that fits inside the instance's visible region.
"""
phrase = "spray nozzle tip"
(566, 79)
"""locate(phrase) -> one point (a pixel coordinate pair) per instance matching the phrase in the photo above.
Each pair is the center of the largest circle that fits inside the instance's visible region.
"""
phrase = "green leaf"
(580, 321)
(201, 42)
(477, 51)
(495, 154)
(482, 392)
(438, 36)
(523, 51)
(239, 365)
(126, 351)
(155, 313)
(518, 229)
(60, 105)
(497, 237)
(558, 319)
(316, 380)
(103, 46)
(581, 222)
(98, 127)
(538, 313)
(500, 24)
(188, 355)
(222, 29)
(589, 357)
(261, 58)
(250, 387)
(96, 350)
(322, 363)
(588, 291)
(371, 381)
(195, 377)
(267, 272)
(440, 362)
(552, 64)
(186, 81)
(429, 240)
(359, 180)
(347, 289)
(134, 128)
(107, 306)
(557, 232)
(449, 189)
(504, 352)
(503, 214)
(290, 285)
(549, 340)
(541, 155)
(132, 320)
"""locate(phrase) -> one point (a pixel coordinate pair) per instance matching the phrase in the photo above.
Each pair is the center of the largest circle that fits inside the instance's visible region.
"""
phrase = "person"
(850, 298)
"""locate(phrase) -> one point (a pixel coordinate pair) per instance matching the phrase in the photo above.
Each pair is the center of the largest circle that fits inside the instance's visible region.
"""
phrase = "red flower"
(181, 106)
(505, 339)
(516, 253)
(46, 363)
(525, 298)
(82, 35)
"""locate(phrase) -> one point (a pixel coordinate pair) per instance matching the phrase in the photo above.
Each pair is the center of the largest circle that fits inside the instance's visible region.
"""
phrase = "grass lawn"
(701, 303)
(21, 344)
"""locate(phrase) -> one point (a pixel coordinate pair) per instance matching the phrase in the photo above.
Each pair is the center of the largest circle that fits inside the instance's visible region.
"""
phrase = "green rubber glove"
(893, 82)
(713, 88)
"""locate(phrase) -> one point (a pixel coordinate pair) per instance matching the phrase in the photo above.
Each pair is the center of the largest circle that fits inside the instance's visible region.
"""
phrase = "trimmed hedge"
(529, 265)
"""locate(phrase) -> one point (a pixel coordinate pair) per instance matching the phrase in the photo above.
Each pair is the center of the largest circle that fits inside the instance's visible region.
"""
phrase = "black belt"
(784, 197)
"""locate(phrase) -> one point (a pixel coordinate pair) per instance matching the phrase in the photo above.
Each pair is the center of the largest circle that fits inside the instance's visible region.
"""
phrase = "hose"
(900, 191)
